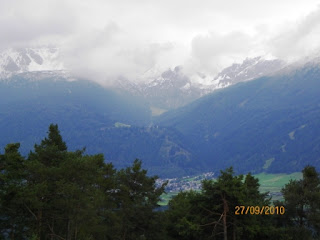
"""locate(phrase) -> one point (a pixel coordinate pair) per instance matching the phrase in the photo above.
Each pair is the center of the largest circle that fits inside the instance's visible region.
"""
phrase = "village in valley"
(185, 183)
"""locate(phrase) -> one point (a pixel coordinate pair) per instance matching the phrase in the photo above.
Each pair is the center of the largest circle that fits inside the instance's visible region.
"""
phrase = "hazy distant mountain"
(169, 90)
(173, 89)
(80, 107)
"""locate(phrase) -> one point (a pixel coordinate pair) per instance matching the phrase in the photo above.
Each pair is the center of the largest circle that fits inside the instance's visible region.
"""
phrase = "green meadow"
(273, 183)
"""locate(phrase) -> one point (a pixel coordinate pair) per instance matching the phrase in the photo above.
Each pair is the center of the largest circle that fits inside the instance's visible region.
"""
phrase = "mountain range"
(269, 124)
(162, 90)
(173, 89)
(260, 115)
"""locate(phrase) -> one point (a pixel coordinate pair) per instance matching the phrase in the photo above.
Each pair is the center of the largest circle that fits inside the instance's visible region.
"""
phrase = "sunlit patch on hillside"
(121, 125)
(157, 111)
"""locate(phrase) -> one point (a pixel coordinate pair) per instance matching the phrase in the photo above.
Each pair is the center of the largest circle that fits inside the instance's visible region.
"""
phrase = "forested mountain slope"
(27, 106)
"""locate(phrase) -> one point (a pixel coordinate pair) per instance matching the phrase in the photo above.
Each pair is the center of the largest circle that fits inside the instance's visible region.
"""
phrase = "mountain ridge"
(164, 90)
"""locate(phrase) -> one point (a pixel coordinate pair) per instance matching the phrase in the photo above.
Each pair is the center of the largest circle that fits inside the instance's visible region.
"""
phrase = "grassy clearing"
(268, 163)
(188, 179)
(166, 198)
(274, 182)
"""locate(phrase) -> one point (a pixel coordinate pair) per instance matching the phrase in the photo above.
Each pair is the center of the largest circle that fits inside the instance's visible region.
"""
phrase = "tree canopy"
(59, 194)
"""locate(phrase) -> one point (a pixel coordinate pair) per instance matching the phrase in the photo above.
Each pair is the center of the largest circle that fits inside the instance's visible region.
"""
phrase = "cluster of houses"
(185, 183)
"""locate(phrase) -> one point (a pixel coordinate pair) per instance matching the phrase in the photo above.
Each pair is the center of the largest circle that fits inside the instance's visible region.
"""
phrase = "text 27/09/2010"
(257, 210)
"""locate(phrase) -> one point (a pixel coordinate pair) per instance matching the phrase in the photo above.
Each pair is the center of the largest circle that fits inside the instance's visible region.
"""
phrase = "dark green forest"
(57, 194)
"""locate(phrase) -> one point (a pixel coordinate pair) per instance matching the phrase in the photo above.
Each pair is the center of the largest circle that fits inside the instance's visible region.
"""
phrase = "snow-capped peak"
(249, 69)
(14, 61)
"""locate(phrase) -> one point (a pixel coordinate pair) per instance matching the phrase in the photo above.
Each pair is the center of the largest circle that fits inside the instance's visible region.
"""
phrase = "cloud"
(103, 40)
(25, 23)
(213, 51)
(111, 53)
(296, 40)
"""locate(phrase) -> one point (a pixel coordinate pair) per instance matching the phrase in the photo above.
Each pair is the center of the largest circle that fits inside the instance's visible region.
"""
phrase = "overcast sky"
(110, 38)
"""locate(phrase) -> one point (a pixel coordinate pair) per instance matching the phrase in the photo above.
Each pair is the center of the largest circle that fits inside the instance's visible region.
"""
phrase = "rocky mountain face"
(249, 69)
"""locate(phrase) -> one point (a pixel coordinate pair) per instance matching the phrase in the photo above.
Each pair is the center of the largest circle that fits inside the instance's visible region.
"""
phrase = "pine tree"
(210, 214)
(43, 166)
(12, 184)
(58, 194)
(64, 190)
(302, 204)
(137, 197)
(184, 216)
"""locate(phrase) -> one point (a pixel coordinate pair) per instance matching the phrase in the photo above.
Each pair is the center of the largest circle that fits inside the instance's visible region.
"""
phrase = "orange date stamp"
(257, 210)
